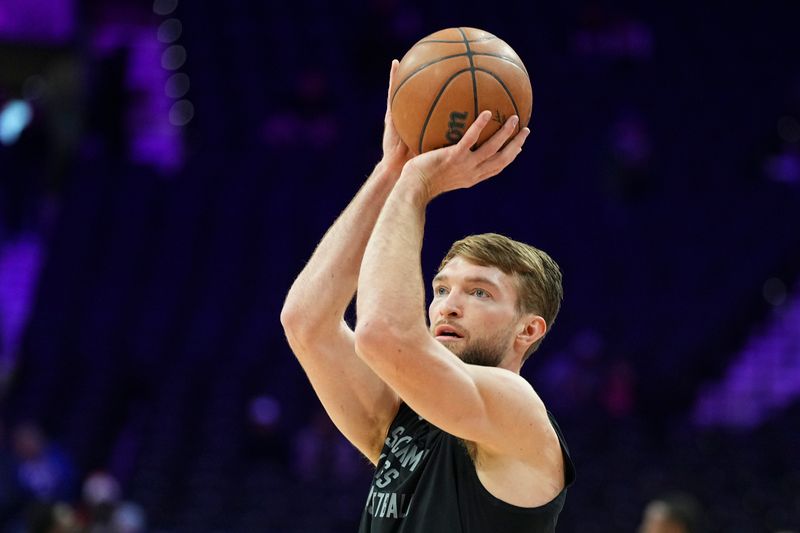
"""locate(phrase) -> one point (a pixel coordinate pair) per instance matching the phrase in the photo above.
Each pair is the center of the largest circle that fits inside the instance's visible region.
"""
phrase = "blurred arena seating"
(154, 327)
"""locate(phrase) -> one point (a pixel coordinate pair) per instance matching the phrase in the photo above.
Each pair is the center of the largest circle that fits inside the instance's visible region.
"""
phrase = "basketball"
(446, 79)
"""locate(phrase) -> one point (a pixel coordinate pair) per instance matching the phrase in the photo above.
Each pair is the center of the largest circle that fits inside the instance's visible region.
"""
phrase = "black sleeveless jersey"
(425, 482)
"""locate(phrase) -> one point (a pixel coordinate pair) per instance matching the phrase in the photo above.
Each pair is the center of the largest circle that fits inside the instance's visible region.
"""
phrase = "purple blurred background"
(166, 168)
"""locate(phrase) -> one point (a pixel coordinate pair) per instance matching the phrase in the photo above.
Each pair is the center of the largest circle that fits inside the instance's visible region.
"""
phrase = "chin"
(453, 347)
(476, 356)
(481, 352)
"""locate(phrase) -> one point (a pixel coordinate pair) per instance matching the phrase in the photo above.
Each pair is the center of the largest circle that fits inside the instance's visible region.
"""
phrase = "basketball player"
(460, 441)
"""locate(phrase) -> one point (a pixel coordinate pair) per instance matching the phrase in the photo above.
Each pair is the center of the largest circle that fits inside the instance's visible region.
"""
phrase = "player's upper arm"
(359, 403)
(493, 407)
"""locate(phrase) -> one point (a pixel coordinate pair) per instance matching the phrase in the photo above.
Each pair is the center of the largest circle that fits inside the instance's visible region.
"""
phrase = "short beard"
(482, 354)
(486, 352)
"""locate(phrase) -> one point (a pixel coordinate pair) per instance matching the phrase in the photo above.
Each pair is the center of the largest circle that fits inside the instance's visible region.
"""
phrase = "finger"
(496, 163)
(474, 131)
(392, 73)
(496, 141)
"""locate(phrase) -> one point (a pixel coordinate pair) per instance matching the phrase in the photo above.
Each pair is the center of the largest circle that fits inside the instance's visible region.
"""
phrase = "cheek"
(496, 325)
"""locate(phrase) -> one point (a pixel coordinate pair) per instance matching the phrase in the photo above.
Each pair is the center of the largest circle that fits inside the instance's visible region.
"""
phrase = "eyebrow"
(471, 279)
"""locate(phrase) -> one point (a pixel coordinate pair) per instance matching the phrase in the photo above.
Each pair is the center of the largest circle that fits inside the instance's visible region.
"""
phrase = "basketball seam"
(440, 59)
(433, 106)
(472, 73)
(504, 58)
(503, 85)
(421, 68)
(481, 40)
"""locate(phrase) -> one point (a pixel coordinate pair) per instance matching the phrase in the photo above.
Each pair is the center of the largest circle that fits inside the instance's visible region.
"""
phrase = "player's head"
(673, 513)
(515, 288)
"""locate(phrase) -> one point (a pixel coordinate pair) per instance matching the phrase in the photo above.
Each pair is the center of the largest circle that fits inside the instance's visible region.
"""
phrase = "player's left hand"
(459, 167)
(395, 152)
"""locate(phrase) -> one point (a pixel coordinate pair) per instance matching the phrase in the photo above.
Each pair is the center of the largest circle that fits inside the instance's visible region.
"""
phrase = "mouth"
(446, 332)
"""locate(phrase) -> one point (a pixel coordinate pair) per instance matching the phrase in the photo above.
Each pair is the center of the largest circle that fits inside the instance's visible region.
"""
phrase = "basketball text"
(456, 126)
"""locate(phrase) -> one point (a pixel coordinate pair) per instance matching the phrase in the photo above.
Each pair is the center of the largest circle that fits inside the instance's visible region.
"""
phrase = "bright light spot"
(177, 85)
(164, 7)
(173, 57)
(265, 410)
(181, 113)
(170, 30)
(774, 291)
(14, 117)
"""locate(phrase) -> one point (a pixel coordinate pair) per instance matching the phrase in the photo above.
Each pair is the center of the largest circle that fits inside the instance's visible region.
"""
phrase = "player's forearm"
(321, 293)
(391, 293)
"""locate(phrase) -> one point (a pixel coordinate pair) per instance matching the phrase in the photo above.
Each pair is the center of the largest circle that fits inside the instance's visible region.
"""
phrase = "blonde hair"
(538, 275)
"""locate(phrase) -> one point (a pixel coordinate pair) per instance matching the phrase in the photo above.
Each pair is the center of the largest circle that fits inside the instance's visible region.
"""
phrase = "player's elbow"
(367, 338)
(381, 339)
(372, 337)
(295, 321)
(290, 316)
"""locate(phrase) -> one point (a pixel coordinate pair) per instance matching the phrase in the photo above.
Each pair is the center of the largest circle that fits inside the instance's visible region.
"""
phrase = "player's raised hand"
(395, 151)
(459, 166)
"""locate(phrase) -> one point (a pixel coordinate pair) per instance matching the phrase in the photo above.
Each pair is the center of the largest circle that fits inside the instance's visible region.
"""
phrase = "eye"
(481, 293)
(440, 290)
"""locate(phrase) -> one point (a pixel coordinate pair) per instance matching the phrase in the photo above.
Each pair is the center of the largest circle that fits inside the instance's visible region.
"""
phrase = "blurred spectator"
(44, 471)
(44, 517)
(677, 512)
(128, 517)
(572, 378)
(104, 511)
(101, 494)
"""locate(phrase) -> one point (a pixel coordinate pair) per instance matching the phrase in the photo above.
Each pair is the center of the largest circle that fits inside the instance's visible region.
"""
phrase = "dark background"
(157, 206)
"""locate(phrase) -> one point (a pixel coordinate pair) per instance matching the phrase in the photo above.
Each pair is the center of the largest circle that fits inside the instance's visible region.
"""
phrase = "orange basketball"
(448, 78)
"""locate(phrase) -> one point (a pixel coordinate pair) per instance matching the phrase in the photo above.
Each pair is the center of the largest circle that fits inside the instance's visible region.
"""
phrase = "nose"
(450, 306)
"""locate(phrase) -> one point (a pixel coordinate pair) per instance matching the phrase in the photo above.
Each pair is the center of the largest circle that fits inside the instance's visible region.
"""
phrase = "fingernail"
(514, 120)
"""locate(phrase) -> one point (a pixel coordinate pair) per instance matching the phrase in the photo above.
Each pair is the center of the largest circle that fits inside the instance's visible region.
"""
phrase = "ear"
(532, 328)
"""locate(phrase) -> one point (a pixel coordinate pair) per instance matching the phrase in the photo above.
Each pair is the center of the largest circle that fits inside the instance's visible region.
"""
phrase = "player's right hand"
(460, 166)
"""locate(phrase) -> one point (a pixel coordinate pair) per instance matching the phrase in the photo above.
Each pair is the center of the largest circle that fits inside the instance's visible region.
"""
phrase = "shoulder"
(513, 397)
(529, 465)
(521, 415)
